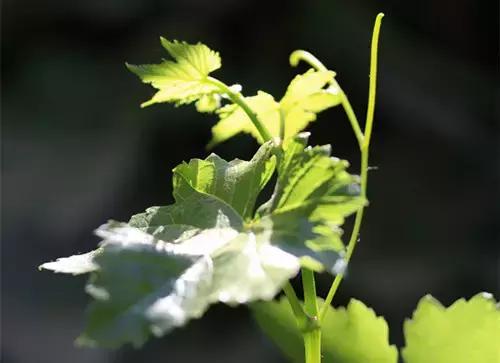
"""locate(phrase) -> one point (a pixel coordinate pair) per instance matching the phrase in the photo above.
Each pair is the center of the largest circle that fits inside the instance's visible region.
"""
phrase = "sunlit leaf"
(196, 209)
(467, 331)
(234, 120)
(170, 263)
(208, 103)
(133, 276)
(305, 97)
(75, 265)
(146, 286)
(310, 176)
(318, 187)
(351, 335)
(238, 182)
(184, 79)
(276, 320)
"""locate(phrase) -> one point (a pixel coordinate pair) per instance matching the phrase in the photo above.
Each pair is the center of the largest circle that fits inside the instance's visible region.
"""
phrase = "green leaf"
(276, 320)
(170, 263)
(310, 176)
(184, 80)
(135, 274)
(193, 209)
(75, 265)
(238, 183)
(357, 334)
(304, 98)
(467, 331)
(313, 185)
(208, 103)
(298, 236)
(351, 335)
(233, 120)
(146, 286)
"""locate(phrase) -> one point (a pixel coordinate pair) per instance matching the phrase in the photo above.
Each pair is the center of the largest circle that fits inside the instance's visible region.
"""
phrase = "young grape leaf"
(318, 187)
(133, 276)
(208, 103)
(310, 176)
(184, 80)
(233, 120)
(278, 323)
(238, 182)
(304, 98)
(349, 335)
(467, 331)
(196, 209)
(144, 285)
(170, 263)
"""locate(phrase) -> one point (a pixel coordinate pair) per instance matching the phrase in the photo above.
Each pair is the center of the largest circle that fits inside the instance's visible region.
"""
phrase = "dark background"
(77, 150)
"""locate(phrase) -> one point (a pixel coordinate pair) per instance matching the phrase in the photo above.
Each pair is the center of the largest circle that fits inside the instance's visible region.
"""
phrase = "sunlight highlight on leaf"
(183, 80)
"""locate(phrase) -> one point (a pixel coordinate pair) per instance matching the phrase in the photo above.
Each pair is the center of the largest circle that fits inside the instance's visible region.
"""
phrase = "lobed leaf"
(238, 183)
(310, 176)
(195, 209)
(170, 263)
(349, 335)
(467, 331)
(233, 120)
(304, 98)
(147, 286)
(313, 185)
(184, 79)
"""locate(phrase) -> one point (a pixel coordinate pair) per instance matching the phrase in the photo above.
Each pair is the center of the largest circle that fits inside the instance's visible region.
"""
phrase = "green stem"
(282, 125)
(294, 301)
(312, 337)
(365, 150)
(238, 99)
(303, 55)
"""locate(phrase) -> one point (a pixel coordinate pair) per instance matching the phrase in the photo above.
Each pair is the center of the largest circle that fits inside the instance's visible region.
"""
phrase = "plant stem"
(365, 149)
(314, 62)
(294, 301)
(282, 125)
(238, 98)
(312, 337)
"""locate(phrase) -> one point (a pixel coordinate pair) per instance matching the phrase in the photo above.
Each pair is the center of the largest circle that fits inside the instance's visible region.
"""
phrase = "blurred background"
(77, 150)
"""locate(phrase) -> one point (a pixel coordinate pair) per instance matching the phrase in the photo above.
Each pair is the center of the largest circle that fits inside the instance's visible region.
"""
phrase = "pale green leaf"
(194, 209)
(311, 177)
(277, 321)
(305, 97)
(238, 182)
(145, 285)
(184, 79)
(351, 335)
(465, 332)
(294, 233)
(355, 335)
(75, 265)
(208, 103)
(134, 274)
(234, 120)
